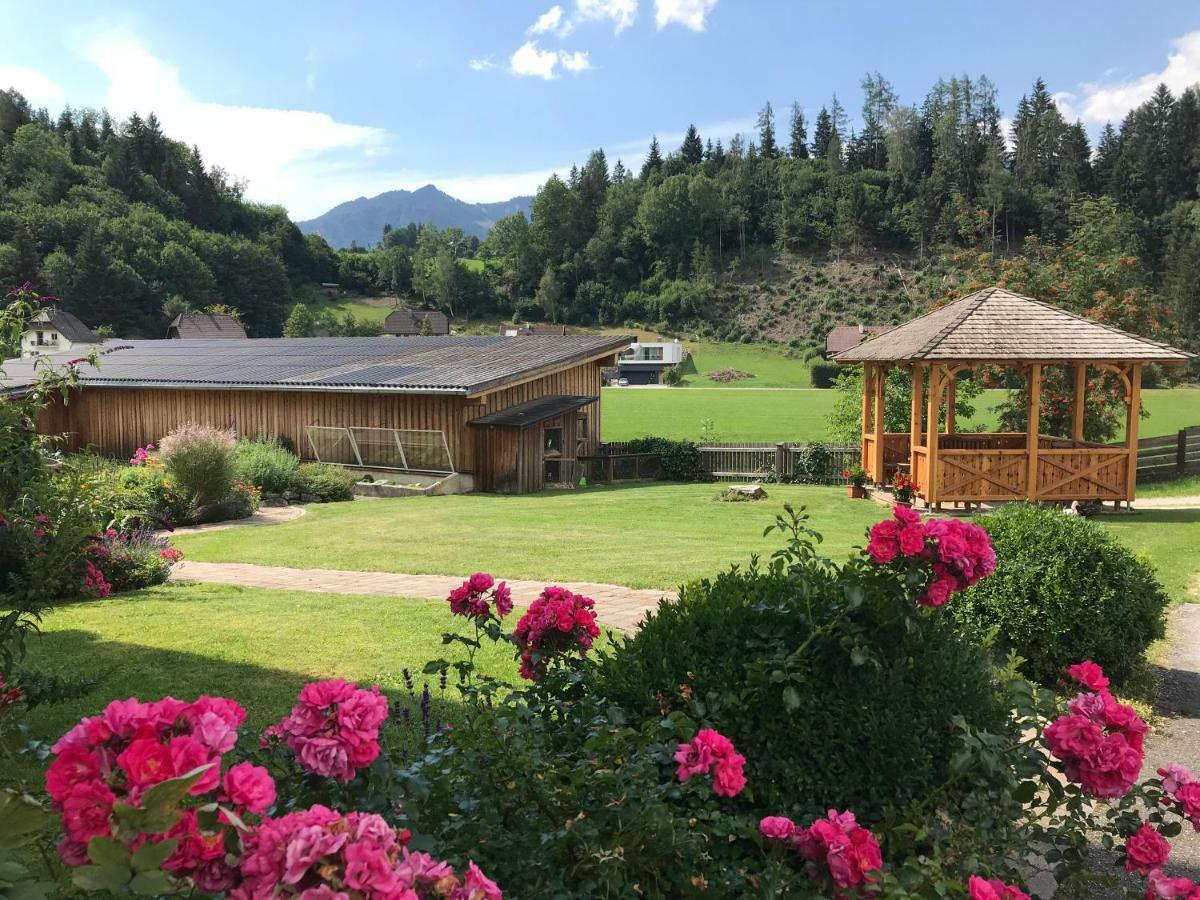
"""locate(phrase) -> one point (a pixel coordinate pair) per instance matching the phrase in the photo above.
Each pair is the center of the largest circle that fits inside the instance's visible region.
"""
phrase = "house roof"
(416, 365)
(408, 321)
(996, 325)
(531, 412)
(207, 326)
(533, 328)
(67, 325)
(843, 337)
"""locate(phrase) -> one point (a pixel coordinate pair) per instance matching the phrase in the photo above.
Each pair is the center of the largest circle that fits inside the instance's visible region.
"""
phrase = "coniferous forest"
(128, 226)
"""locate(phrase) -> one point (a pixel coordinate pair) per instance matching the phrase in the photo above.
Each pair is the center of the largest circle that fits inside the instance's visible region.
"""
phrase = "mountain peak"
(361, 221)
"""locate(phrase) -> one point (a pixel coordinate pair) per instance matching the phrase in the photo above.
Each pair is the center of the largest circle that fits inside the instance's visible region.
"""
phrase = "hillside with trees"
(775, 236)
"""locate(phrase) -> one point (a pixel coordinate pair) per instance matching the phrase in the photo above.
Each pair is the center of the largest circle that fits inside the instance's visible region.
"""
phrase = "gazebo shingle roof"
(997, 325)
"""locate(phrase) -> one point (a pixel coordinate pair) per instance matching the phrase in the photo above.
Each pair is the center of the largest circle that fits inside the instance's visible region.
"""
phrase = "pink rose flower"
(1161, 886)
(776, 828)
(73, 765)
(147, 762)
(86, 809)
(249, 786)
(1072, 736)
(1146, 850)
(480, 582)
(1089, 675)
(478, 886)
(708, 751)
(994, 889)
(1175, 776)
(912, 540)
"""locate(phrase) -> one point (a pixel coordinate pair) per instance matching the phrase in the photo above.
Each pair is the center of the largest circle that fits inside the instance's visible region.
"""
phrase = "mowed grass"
(257, 646)
(740, 413)
(772, 365)
(651, 536)
(1169, 538)
(364, 309)
(1188, 486)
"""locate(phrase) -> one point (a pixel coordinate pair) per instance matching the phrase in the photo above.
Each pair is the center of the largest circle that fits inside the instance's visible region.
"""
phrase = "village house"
(846, 337)
(55, 330)
(205, 326)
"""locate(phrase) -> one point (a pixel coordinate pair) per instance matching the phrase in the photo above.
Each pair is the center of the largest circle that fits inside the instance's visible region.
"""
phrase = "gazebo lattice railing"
(994, 327)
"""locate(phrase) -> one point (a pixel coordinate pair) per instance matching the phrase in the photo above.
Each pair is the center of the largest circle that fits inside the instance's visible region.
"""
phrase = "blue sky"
(313, 103)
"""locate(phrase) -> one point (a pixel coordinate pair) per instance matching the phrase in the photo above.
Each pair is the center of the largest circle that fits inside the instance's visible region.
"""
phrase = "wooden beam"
(880, 429)
(1134, 416)
(914, 419)
(868, 394)
(1080, 402)
(931, 433)
(951, 390)
(1031, 431)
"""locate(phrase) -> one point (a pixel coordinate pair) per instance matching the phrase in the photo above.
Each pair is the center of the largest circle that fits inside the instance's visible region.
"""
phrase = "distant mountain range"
(362, 220)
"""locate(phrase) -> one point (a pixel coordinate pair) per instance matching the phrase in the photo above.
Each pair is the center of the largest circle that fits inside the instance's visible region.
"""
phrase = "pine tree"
(692, 150)
(767, 147)
(822, 132)
(798, 133)
(619, 173)
(1108, 151)
(653, 158)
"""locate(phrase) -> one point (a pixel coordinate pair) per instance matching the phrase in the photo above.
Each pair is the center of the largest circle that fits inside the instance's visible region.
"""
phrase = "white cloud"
(1105, 101)
(689, 13)
(482, 65)
(575, 62)
(38, 89)
(620, 12)
(288, 156)
(551, 20)
(532, 60)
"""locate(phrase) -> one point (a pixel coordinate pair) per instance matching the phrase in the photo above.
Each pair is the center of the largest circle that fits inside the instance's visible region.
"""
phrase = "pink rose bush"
(1099, 741)
(556, 623)
(475, 598)
(116, 757)
(835, 849)
(1145, 850)
(993, 889)
(320, 853)
(1181, 790)
(1161, 885)
(957, 553)
(333, 729)
(711, 751)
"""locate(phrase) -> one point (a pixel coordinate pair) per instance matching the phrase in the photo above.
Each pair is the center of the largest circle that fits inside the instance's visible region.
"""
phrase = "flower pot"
(856, 491)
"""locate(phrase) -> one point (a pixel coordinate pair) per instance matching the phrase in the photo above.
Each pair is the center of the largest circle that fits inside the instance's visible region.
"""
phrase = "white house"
(55, 330)
(644, 362)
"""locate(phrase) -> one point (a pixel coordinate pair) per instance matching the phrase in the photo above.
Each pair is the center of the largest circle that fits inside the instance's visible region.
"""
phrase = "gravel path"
(267, 515)
(1192, 502)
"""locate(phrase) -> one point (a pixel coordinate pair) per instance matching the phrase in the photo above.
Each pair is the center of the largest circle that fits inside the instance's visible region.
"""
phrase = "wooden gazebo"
(995, 327)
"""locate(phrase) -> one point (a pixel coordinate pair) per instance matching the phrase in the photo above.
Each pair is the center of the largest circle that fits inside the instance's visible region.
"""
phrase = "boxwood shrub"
(835, 705)
(1064, 590)
(267, 464)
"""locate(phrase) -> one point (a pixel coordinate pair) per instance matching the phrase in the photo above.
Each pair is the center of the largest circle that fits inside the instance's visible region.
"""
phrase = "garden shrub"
(1064, 590)
(200, 458)
(266, 464)
(859, 718)
(824, 374)
(133, 560)
(327, 482)
(679, 460)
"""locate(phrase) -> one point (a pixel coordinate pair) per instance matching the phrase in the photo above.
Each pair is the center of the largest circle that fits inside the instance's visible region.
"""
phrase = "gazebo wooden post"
(1133, 417)
(1035, 414)
(1077, 412)
(914, 421)
(951, 389)
(880, 425)
(931, 433)
(868, 398)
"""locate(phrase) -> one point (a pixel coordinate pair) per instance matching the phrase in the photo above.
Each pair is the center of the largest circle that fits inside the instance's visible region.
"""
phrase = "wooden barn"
(515, 415)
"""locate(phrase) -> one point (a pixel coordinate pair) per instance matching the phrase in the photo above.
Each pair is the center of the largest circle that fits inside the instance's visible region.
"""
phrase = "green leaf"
(19, 820)
(152, 855)
(106, 852)
(167, 795)
(100, 878)
(152, 884)
(791, 698)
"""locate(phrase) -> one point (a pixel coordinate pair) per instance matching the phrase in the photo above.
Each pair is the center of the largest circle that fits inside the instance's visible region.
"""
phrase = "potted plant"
(857, 477)
(904, 487)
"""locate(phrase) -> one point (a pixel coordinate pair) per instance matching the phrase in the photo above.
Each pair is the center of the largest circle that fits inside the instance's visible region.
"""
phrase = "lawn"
(1174, 487)
(754, 414)
(655, 536)
(772, 365)
(365, 309)
(258, 646)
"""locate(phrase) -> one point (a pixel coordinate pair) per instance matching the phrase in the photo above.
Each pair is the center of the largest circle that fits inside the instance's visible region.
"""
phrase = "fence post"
(1181, 451)
(780, 462)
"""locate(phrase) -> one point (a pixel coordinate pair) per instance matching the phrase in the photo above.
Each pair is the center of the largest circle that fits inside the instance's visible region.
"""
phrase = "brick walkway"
(620, 607)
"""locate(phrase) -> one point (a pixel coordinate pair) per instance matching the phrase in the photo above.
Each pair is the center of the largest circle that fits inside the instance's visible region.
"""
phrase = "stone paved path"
(620, 607)
(267, 515)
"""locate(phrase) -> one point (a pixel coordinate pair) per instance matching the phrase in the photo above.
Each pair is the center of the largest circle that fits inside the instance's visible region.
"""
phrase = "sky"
(311, 104)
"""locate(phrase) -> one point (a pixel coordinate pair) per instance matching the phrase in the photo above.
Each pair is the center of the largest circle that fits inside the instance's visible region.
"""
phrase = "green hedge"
(1064, 590)
(680, 460)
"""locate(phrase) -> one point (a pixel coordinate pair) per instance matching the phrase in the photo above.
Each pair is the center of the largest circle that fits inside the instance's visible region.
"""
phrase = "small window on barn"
(552, 473)
(552, 441)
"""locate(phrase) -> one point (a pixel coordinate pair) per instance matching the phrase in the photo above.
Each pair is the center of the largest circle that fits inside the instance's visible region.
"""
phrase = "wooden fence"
(1170, 456)
(816, 463)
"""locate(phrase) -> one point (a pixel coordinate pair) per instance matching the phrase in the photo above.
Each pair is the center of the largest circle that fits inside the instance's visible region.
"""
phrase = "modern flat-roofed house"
(514, 414)
(416, 321)
(57, 331)
(511, 329)
(644, 362)
(844, 337)
(205, 326)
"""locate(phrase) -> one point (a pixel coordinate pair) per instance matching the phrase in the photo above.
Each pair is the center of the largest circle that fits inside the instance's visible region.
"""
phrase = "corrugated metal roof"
(533, 411)
(997, 325)
(447, 365)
